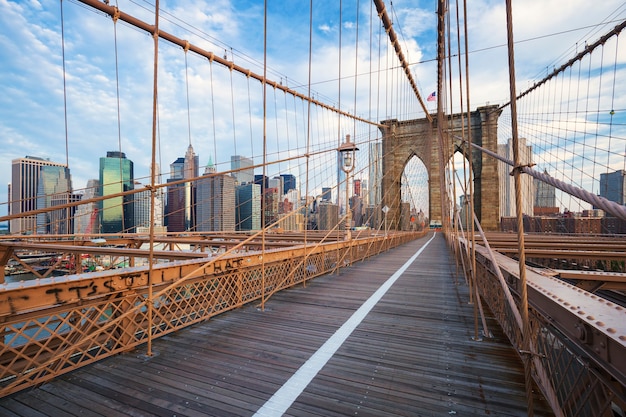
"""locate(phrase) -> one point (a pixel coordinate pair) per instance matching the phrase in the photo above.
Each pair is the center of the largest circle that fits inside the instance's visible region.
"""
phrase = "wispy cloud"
(221, 105)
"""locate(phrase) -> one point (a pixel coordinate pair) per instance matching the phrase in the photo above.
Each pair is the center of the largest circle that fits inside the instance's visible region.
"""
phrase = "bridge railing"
(52, 326)
(577, 345)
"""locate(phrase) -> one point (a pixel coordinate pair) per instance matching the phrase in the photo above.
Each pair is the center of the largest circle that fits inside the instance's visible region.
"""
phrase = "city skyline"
(30, 85)
(125, 214)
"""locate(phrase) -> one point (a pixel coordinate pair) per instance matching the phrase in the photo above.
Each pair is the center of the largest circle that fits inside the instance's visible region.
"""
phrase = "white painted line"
(282, 399)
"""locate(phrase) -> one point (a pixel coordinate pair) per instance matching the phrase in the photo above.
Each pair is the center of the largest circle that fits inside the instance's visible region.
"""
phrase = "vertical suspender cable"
(308, 141)
(263, 199)
(155, 36)
(119, 126)
(213, 112)
(339, 120)
(187, 94)
(470, 223)
(441, 52)
(67, 160)
(518, 207)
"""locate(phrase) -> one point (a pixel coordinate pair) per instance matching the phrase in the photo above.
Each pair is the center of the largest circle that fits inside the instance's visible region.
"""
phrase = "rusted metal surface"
(593, 281)
(52, 326)
(578, 343)
(412, 355)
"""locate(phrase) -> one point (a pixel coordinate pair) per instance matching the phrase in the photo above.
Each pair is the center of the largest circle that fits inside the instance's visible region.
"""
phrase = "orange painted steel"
(52, 326)
(578, 339)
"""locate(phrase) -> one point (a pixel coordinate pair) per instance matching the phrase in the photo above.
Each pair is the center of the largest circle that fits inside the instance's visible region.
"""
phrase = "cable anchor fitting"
(518, 168)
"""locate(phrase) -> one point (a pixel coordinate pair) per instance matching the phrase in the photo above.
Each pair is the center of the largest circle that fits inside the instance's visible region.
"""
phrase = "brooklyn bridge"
(388, 219)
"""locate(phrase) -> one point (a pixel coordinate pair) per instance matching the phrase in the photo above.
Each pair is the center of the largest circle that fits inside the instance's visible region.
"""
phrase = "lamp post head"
(347, 150)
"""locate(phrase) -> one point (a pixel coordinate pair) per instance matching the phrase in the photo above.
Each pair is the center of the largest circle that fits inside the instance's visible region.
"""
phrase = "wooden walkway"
(411, 355)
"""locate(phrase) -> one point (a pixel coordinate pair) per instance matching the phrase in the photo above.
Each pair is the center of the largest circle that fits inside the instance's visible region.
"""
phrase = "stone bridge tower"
(405, 139)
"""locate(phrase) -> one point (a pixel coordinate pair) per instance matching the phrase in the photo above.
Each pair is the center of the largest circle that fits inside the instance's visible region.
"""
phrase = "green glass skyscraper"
(116, 175)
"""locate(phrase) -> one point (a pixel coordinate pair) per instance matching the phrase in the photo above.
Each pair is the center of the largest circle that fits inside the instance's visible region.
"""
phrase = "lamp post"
(347, 150)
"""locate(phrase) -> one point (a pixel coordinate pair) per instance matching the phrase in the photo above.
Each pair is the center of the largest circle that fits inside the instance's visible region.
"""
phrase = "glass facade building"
(116, 176)
(25, 175)
(289, 182)
(86, 215)
(242, 170)
(54, 189)
(613, 186)
(248, 207)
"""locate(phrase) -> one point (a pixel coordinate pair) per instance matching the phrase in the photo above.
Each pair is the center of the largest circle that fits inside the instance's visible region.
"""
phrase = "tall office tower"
(507, 182)
(86, 215)
(327, 194)
(613, 186)
(277, 182)
(242, 169)
(357, 187)
(375, 174)
(175, 206)
(328, 216)
(289, 182)
(364, 192)
(356, 205)
(545, 194)
(177, 169)
(215, 196)
(248, 207)
(159, 200)
(62, 220)
(341, 185)
(270, 205)
(25, 179)
(53, 189)
(190, 170)
(117, 214)
(262, 180)
(142, 208)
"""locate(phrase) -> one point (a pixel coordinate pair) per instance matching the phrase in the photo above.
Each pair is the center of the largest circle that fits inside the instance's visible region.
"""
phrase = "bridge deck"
(411, 355)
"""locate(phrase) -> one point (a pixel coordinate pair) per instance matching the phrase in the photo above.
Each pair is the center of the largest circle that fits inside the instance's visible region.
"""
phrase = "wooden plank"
(412, 355)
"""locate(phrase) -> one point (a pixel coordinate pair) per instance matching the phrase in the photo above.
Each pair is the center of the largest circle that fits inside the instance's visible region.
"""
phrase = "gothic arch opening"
(460, 186)
(414, 195)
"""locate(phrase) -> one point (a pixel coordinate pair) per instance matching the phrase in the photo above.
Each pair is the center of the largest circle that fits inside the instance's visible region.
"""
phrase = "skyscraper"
(341, 185)
(191, 170)
(215, 196)
(375, 173)
(327, 194)
(25, 176)
(175, 207)
(289, 182)
(248, 207)
(86, 215)
(507, 181)
(53, 189)
(242, 170)
(116, 176)
(613, 186)
(545, 194)
(142, 208)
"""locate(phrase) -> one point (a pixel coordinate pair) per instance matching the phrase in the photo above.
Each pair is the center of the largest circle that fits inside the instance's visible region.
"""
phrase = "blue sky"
(32, 120)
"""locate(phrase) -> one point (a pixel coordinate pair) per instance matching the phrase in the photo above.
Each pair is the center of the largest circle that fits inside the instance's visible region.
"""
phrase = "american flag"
(432, 96)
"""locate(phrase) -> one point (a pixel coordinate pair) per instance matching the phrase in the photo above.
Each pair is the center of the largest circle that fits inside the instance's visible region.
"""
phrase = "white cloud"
(31, 74)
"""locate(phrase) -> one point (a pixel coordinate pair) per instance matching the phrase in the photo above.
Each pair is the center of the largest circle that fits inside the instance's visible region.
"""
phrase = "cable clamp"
(518, 168)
